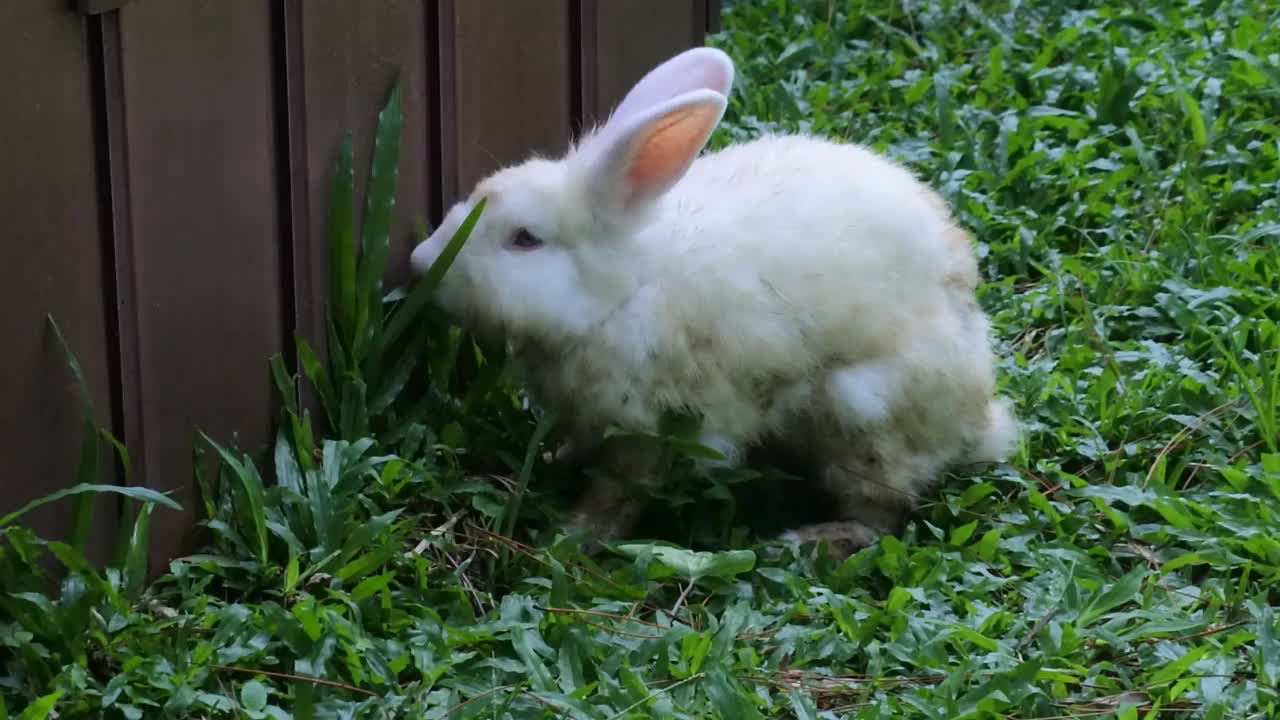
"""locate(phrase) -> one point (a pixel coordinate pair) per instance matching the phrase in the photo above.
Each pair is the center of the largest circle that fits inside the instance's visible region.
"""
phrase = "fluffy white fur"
(788, 289)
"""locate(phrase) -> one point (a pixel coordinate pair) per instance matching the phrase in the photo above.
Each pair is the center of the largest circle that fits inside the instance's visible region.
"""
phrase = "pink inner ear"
(666, 150)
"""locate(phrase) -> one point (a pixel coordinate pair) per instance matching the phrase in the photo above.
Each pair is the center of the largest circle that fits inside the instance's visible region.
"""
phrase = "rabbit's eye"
(525, 240)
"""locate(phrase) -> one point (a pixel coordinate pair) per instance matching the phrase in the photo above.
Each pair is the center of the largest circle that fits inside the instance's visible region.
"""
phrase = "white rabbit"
(788, 290)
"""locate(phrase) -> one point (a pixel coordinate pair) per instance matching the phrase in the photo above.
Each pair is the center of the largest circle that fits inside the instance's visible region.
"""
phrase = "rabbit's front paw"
(589, 533)
(846, 537)
(603, 513)
(570, 454)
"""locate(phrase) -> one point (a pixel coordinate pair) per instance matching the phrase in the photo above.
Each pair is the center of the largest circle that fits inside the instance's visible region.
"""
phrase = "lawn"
(393, 558)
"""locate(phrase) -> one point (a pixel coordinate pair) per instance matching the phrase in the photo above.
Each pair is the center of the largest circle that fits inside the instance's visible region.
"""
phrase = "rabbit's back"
(792, 243)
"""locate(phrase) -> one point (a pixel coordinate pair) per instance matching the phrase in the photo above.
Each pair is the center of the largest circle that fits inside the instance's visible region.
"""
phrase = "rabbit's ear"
(633, 162)
(701, 68)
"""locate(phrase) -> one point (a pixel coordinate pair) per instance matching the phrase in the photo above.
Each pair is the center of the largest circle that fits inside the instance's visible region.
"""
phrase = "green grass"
(391, 559)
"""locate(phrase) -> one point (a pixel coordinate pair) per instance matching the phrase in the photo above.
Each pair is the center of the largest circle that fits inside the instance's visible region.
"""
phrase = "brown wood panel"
(342, 61)
(203, 198)
(51, 262)
(507, 85)
(624, 39)
(97, 7)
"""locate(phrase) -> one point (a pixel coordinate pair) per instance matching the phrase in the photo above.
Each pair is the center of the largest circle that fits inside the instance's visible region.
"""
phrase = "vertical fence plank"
(51, 260)
(343, 59)
(624, 39)
(114, 155)
(711, 12)
(200, 127)
(507, 85)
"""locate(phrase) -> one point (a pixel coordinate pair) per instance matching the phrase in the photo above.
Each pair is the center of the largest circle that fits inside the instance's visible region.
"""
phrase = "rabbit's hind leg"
(872, 490)
(872, 450)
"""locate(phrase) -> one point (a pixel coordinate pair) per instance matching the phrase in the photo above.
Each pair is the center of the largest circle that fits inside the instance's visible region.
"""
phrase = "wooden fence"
(163, 185)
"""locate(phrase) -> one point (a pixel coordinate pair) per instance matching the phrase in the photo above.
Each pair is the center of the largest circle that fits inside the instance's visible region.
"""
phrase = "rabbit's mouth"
(488, 329)
(488, 336)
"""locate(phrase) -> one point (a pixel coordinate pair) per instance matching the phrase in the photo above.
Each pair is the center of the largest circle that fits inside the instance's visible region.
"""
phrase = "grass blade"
(42, 708)
(398, 376)
(491, 372)
(1199, 133)
(122, 453)
(342, 259)
(1121, 592)
(81, 384)
(133, 493)
(1265, 410)
(512, 511)
(303, 439)
(288, 474)
(82, 512)
(318, 376)
(87, 474)
(137, 552)
(284, 383)
(412, 306)
(376, 235)
(320, 485)
(354, 421)
(254, 512)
